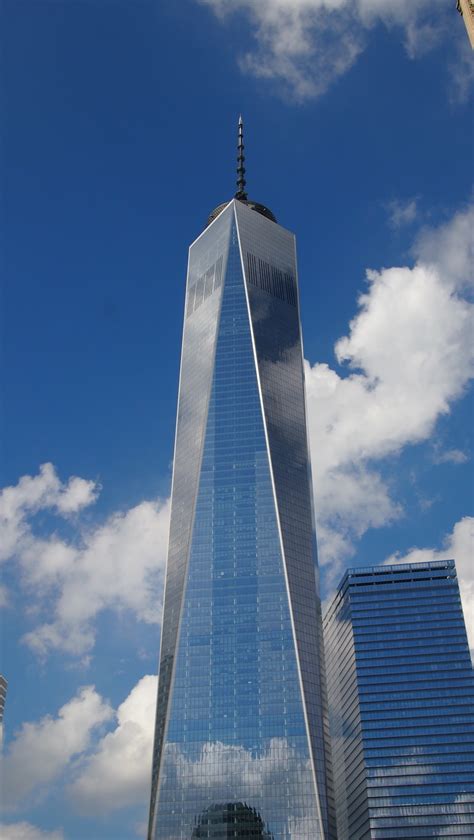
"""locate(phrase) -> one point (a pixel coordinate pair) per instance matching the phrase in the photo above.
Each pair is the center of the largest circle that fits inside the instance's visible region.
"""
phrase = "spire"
(241, 193)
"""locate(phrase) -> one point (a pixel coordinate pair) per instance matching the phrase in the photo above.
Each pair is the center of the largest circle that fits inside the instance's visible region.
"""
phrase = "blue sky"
(118, 141)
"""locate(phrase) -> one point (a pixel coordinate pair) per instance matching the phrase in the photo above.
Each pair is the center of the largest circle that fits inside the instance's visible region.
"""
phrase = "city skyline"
(119, 137)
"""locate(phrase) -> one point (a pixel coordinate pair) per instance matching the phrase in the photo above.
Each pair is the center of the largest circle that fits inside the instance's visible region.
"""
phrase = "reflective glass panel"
(401, 692)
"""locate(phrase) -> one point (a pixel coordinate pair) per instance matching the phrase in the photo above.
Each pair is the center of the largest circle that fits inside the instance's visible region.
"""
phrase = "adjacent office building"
(401, 698)
(240, 741)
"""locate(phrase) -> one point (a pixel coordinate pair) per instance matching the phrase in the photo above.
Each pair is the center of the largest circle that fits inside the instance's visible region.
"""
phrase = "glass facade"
(401, 696)
(240, 747)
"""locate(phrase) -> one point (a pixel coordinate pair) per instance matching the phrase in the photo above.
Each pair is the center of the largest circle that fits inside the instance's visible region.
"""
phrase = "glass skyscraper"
(401, 698)
(241, 737)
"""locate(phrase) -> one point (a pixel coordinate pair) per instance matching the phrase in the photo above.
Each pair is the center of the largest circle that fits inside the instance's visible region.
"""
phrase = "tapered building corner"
(241, 726)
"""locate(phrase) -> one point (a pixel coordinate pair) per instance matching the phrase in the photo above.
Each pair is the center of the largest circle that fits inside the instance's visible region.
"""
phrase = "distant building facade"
(401, 700)
(466, 9)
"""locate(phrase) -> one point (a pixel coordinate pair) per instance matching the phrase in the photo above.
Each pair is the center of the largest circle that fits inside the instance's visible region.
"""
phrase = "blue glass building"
(401, 698)
(240, 740)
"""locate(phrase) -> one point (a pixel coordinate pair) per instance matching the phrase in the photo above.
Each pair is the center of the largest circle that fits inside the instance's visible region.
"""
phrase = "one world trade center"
(241, 742)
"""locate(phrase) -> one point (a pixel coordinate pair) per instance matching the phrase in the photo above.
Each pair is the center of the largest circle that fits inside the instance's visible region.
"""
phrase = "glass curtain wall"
(401, 691)
(237, 725)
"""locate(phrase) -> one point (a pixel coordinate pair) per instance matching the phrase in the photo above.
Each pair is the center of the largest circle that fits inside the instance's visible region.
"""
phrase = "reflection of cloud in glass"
(424, 804)
(461, 804)
(225, 766)
(234, 819)
(286, 372)
(277, 782)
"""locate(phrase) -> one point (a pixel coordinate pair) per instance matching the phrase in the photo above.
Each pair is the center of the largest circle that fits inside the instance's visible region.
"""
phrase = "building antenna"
(241, 193)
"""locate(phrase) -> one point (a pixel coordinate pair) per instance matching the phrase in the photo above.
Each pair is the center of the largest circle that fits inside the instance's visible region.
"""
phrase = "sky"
(118, 140)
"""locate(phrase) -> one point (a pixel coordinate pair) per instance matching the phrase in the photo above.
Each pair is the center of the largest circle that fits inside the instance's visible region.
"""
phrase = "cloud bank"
(118, 564)
(41, 751)
(68, 750)
(408, 357)
(117, 773)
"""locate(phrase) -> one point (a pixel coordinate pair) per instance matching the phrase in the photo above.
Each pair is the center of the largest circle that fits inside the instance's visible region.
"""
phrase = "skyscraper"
(240, 724)
(401, 699)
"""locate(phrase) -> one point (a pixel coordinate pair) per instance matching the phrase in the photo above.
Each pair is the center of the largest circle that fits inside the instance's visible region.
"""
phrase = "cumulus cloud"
(458, 546)
(408, 356)
(26, 831)
(305, 45)
(41, 751)
(117, 564)
(118, 772)
(41, 492)
(100, 773)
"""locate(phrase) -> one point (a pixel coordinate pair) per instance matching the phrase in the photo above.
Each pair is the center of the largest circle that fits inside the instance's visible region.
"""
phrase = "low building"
(401, 700)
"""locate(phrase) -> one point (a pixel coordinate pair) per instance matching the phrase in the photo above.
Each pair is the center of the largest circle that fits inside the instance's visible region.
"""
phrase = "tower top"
(241, 193)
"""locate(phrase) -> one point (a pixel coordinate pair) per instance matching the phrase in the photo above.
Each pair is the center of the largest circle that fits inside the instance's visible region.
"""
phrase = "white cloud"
(100, 776)
(458, 546)
(41, 492)
(401, 213)
(118, 772)
(26, 831)
(118, 564)
(307, 44)
(410, 356)
(41, 751)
